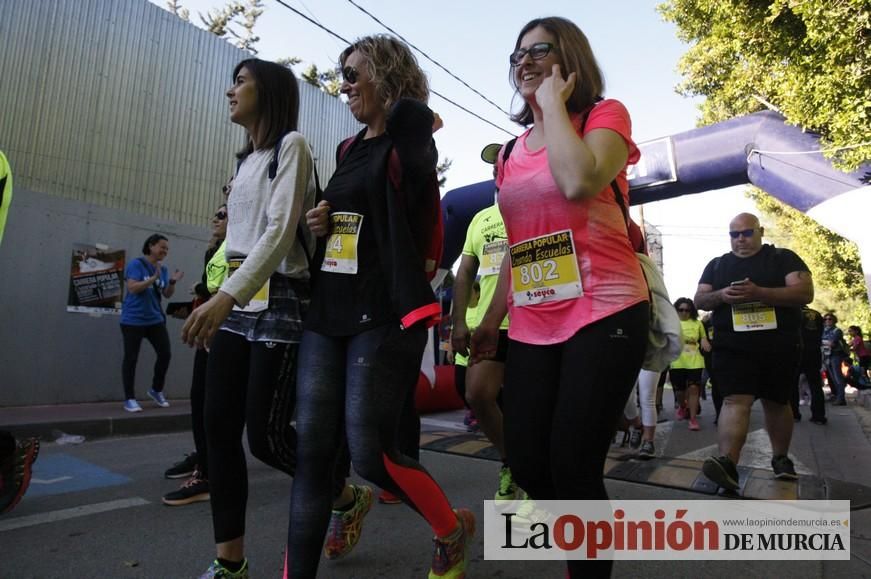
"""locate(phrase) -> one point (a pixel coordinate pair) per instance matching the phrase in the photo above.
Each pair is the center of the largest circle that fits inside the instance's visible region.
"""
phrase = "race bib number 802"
(545, 269)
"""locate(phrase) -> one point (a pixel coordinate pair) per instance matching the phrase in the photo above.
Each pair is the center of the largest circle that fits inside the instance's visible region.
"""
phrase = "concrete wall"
(116, 126)
(50, 356)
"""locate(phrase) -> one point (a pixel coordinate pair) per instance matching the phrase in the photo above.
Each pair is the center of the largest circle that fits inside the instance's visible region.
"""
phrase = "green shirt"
(691, 357)
(5, 191)
(487, 241)
(216, 269)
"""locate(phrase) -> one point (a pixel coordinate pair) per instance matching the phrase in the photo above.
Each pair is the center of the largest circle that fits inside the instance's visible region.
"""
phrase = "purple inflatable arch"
(759, 149)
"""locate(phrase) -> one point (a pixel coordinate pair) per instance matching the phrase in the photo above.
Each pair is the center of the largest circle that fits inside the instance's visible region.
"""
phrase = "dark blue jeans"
(837, 383)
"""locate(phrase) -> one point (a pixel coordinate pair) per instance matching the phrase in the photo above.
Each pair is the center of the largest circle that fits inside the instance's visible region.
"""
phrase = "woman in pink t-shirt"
(571, 282)
(857, 346)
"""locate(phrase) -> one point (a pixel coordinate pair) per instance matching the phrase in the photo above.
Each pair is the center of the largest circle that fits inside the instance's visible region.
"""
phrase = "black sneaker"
(183, 469)
(194, 490)
(647, 450)
(721, 470)
(635, 438)
(783, 468)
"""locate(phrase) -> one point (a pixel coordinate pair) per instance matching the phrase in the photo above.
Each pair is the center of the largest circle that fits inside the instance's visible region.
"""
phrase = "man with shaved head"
(755, 293)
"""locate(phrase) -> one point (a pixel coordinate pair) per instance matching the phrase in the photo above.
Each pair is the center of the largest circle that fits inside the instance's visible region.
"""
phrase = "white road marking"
(459, 426)
(755, 454)
(64, 514)
(49, 481)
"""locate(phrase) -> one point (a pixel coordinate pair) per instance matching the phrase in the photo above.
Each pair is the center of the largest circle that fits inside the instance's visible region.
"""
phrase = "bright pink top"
(533, 206)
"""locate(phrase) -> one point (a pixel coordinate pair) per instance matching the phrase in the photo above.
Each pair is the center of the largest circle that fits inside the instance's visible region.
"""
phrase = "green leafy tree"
(810, 60)
(328, 80)
(221, 21)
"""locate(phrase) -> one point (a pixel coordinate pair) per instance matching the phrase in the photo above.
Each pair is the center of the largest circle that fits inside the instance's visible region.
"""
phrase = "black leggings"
(159, 340)
(249, 384)
(562, 403)
(198, 408)
(360, 384)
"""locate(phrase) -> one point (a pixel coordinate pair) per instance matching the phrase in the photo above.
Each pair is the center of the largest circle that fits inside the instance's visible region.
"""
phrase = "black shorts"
(502, 348)
(681, 378)
(766, 375)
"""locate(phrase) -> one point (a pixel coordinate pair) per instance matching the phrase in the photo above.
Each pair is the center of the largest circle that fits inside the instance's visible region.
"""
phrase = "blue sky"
(637, 51)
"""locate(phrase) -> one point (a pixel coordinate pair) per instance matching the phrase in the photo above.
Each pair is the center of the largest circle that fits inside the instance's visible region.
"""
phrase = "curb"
(151, 423)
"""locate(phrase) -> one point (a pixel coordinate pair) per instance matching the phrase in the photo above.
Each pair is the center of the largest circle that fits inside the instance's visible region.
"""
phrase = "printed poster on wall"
(96, 279)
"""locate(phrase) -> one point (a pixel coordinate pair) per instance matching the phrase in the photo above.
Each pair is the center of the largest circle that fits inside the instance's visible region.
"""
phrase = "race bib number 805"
(545, 269)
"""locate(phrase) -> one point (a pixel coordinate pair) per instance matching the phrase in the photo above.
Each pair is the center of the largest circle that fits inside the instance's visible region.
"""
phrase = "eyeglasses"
(221, 215)
(743, 232)
(685, 310)
(350, 74)
(536, 52)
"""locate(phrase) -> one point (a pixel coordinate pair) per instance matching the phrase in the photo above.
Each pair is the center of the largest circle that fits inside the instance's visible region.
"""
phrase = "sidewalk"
(95, 420)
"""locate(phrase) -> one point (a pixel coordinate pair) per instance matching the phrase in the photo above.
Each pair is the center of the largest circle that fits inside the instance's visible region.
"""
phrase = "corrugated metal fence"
(121, 104)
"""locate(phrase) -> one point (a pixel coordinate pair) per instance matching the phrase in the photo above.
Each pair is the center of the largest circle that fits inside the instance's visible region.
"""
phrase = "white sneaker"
(130, 405)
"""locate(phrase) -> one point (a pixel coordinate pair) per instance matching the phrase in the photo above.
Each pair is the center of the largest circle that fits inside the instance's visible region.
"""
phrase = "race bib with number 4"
(753, 317)
(341, 252)
(545, 269)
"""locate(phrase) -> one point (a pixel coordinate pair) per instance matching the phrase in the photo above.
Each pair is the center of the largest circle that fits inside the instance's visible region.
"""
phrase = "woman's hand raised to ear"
(554, 90)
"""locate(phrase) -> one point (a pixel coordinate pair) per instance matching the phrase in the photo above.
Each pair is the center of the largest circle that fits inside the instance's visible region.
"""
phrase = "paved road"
(95, 512)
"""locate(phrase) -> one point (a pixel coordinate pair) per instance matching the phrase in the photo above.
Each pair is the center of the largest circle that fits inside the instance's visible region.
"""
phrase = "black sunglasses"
(684, 310)
(350, 74)
(744, 232)
(536, 52)
(221, 214)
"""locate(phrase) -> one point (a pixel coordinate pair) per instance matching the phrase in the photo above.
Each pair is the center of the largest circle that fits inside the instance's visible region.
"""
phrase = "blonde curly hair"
(392, 67)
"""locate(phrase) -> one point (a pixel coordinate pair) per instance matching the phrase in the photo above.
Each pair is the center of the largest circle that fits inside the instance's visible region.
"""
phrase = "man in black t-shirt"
(755, 293)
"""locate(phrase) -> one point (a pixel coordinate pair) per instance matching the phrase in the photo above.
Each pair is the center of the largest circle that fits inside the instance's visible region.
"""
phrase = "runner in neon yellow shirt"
(486, 242)
(5, 191)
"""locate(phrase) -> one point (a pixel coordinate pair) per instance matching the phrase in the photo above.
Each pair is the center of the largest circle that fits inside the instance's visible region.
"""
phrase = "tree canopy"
(810, 60)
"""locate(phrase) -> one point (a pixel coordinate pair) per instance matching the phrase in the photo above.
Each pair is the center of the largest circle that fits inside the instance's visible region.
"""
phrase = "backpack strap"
(273, 164)
(300, 236)
(506, 150)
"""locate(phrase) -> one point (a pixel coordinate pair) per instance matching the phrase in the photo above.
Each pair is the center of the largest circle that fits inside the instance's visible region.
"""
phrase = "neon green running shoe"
(451, 554)
(218, 571)
(508, 489)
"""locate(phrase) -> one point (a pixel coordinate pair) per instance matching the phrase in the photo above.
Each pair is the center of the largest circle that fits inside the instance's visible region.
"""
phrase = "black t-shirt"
(767, 268)
(344, 304)
(811, 335)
